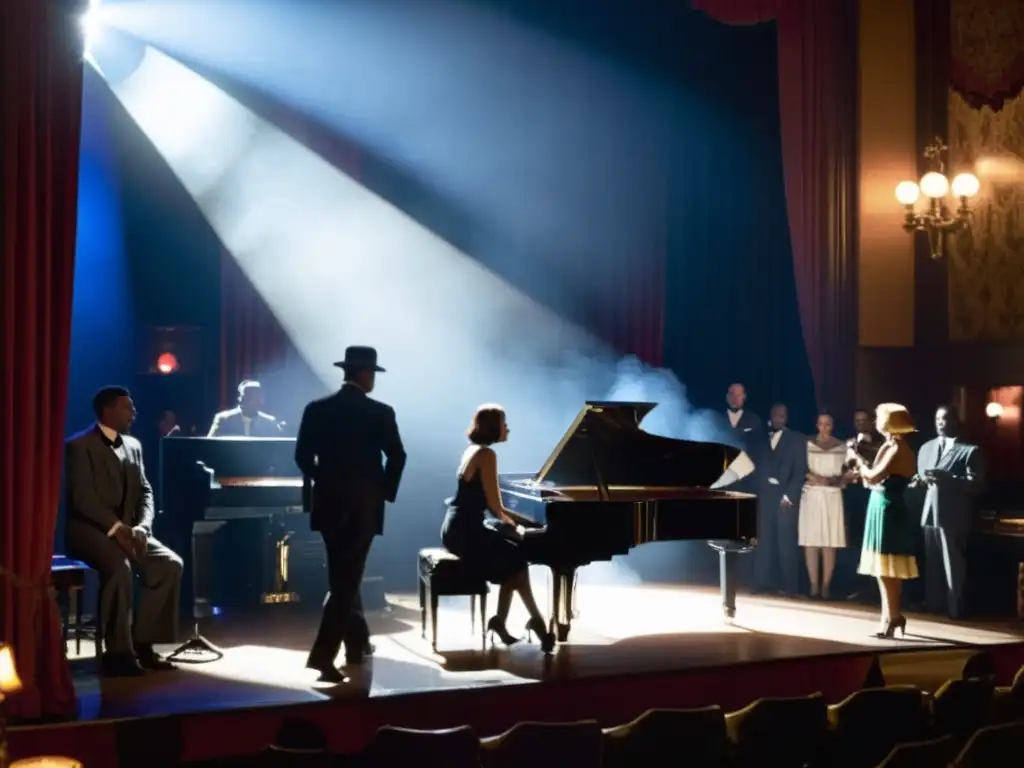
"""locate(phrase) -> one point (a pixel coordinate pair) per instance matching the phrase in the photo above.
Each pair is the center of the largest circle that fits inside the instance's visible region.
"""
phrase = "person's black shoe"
(331, 675)
(120, 665)
(355, 659)
(153, 661)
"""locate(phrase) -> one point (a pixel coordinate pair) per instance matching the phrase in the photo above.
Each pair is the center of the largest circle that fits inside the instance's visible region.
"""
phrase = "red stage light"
(167, 363)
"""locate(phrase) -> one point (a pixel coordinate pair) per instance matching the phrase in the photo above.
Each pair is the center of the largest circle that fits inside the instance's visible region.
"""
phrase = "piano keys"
(609, 486)
(206, 484)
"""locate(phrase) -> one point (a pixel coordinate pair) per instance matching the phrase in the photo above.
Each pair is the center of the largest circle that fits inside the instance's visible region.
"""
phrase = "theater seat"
(779, 731)
(934, 753)
(660, 738)
(995, 746)
(867, 724)
(545, 745)
(1008, 702)
(960, 707)
(450, 748)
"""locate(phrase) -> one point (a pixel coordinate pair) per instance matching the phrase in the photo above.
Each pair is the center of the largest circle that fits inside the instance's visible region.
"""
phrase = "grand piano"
(609, 486)
(205, 483)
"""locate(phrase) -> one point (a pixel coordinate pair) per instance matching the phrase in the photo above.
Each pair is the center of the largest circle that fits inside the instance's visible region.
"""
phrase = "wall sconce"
(935, 219)
(994, 410)
(9, 683)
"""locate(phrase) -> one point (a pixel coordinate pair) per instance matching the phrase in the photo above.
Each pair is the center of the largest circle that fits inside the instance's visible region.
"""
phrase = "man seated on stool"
(247, 420)
(110, 528)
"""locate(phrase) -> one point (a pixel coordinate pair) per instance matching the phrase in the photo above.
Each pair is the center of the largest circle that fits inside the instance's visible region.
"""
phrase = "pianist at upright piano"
(499, 557)
(246, 420)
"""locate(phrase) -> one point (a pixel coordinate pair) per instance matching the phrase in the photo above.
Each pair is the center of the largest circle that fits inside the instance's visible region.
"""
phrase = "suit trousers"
(159, 571)
(342, 620)
(945, 569)
(777, 558)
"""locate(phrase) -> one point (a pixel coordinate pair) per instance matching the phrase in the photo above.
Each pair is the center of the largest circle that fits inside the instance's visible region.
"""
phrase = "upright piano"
(207, 482)
(609, 486)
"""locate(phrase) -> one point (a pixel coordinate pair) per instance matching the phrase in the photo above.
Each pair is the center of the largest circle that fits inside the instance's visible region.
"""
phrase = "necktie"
(942, 446)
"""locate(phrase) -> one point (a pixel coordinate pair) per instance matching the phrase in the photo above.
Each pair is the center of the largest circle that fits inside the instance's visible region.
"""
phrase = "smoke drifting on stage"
(339, 265)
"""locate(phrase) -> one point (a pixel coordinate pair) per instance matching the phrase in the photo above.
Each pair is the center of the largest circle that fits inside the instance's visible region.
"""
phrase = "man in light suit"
(350, 450)
(246, 420)
(954, 474)
(780, 474)
(110, 528)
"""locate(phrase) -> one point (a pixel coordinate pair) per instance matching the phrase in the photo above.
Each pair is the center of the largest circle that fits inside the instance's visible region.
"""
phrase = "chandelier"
(935, 218)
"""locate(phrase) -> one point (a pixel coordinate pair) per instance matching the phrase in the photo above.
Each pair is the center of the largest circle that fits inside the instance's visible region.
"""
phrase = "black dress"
(493, 556)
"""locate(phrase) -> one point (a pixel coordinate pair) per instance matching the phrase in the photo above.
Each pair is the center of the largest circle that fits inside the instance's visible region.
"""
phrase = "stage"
(632, 647)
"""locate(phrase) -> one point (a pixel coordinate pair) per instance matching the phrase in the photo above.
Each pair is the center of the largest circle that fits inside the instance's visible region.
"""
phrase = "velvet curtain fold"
(41, 99)
(251, 337)
(817, 56)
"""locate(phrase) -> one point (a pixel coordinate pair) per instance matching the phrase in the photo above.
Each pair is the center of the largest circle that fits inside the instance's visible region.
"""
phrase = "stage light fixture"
(167, 363)
(936, 220)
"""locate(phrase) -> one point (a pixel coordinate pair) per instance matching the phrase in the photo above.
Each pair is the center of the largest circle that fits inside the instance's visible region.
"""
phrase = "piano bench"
(68, 578)
(442, 574)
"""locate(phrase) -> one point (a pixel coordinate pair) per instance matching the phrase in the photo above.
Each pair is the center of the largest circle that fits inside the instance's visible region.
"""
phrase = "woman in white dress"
(821, 529)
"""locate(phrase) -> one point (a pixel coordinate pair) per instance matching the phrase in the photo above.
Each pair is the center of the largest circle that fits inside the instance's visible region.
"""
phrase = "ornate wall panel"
(986, 125)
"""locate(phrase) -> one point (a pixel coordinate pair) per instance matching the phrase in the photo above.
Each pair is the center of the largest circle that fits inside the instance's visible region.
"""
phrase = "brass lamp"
(935, 218)
(9, 683)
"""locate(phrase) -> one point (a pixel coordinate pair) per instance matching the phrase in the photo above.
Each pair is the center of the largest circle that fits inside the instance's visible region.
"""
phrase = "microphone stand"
(197, 649)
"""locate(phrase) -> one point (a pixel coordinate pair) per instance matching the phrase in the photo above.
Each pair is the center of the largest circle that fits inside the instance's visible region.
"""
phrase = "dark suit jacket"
(786, 464)
(950, 504)
(749, 433)
(230, 423)
(103, 489)
(349, 446)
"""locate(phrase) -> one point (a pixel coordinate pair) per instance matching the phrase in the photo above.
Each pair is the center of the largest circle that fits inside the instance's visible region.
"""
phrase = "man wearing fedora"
(350, 451)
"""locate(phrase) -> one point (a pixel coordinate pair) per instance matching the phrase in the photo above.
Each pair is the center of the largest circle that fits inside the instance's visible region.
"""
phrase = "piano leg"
(727, 567)
(564, 581)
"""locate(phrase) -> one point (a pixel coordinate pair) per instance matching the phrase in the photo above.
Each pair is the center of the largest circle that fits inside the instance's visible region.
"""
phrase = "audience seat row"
(966, 723)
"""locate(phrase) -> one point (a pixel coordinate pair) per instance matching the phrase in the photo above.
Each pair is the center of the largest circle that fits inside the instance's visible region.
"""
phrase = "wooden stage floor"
(620, 631)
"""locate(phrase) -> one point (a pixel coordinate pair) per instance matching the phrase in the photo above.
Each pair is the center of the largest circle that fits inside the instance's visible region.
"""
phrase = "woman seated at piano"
(497, 556)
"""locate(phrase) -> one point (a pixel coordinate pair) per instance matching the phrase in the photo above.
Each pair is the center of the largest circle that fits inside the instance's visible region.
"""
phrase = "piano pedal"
(277, 598)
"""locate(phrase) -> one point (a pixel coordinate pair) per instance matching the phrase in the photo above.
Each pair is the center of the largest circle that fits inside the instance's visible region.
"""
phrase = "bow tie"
(116, 443)
(774, 430)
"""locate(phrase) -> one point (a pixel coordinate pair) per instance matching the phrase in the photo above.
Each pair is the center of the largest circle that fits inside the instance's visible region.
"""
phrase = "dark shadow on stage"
(645, 654)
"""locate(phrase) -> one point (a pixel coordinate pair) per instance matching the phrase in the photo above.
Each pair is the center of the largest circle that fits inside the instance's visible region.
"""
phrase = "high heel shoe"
(900, 623)
(539, 628)
(496, 626)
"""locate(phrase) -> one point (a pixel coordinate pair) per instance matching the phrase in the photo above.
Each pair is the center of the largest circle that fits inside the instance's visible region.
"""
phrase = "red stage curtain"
(41, 73)
(817, 43)
(251, 337)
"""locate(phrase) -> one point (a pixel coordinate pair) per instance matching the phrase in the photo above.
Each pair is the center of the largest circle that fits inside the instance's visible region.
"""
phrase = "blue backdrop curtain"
(731, 310)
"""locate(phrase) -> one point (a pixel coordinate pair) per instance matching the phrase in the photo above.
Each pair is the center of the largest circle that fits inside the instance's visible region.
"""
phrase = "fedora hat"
(360, 359)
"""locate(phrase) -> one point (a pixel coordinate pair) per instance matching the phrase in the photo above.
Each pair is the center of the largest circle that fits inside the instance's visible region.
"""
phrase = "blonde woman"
(888, 549)
(821, 529)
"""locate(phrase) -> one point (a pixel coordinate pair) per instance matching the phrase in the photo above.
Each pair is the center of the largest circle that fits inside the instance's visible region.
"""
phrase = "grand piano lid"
(605, 447)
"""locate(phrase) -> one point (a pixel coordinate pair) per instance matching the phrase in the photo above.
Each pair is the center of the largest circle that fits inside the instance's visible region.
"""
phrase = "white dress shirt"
(775, 439)
(735, 416)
